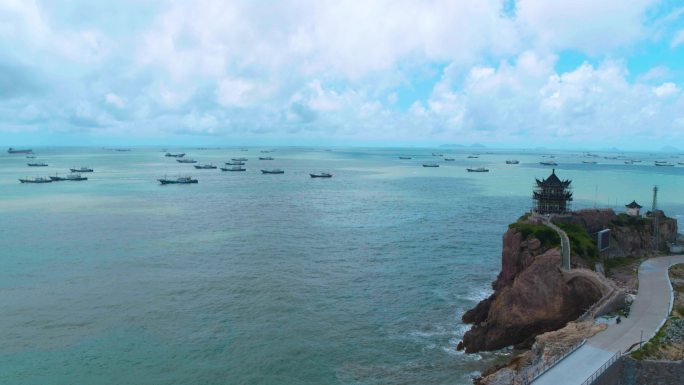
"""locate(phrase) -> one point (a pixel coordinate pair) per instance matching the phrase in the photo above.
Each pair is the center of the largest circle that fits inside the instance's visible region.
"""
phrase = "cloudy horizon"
(525, 73)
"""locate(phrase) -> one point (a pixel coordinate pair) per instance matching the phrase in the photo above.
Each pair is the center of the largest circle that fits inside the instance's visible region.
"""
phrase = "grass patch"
(612, 263)
(545, 234)
(581, 243)
(651, 347)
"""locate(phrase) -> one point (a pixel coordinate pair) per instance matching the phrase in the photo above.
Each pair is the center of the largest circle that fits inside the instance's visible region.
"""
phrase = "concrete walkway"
(651, 307)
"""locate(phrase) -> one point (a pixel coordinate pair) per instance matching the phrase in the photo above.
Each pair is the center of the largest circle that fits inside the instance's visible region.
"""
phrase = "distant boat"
(473, 156)
(548, 163)
(15, 151)
(660, 162)
(629, 162)
(82, 169)
(234, 168)
(70, 177)
(122, 149)
(479, 169)
(39, 179)
(179, 180)
(205, 166)
(664, 164)
(449, 159)
(30, 157)
(239, 159)
(265, 158)
(321, 175)
(170, 155)
(186, 160)
(590, 162)
(430, 165)
(273, 171)
(235, 163)
(405, 157)
(680, 162)
(512, 161)
(37, 164)
(436, 154)
(265, 151)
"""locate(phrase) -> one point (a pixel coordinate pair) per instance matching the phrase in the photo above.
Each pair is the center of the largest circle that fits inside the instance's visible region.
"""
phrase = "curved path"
(565, 243)
(650, 309)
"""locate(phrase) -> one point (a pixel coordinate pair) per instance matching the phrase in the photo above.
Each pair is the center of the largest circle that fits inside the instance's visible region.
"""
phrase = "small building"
(551, 195)
(633, 209)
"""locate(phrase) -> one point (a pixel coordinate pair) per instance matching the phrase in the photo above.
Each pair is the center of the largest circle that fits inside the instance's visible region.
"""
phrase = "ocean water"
(247, 278)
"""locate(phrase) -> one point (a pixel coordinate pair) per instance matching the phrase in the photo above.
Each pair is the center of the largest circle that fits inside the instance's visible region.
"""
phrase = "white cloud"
(585, 25)
(678, 39)
(666, 90)
(234, 92)
(115, 100)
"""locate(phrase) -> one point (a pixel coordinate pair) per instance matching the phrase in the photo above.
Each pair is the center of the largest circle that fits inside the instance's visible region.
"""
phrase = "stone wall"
(627, 371)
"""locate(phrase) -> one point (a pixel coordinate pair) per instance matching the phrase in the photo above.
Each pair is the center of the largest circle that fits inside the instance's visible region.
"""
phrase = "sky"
(503, 73)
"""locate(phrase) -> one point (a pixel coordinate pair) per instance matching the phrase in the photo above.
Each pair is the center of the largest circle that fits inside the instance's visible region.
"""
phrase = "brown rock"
(539, 300)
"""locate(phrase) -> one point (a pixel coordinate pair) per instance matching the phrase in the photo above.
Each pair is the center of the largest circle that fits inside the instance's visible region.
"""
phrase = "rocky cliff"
(532, 295)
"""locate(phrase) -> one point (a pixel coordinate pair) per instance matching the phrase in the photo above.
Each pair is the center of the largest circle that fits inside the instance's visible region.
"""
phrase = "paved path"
(648, 312)
(565, 243)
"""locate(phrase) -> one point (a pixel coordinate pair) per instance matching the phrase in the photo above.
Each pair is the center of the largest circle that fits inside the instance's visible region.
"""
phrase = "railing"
(602, 369)
(533, 373)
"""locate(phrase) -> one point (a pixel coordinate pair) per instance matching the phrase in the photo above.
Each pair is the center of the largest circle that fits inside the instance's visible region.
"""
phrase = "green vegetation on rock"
(630, 221)
(581, 243)
(546, 235)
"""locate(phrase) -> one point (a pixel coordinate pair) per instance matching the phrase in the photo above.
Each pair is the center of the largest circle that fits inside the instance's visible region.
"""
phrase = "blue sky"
(525, 73)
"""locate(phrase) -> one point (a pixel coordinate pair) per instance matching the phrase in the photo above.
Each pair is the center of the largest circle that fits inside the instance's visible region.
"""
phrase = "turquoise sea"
(247, 278)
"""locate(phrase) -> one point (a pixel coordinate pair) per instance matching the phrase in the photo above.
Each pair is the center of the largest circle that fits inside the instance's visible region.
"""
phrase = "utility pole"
(656, 227)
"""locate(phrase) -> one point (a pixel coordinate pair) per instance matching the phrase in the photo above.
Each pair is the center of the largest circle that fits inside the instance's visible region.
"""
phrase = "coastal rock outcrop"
(539, 299)
(532, 295)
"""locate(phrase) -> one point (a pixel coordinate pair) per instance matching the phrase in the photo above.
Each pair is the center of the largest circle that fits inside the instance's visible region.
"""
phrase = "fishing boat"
(30, 157)
(265, 158)
(70, 177)
(186, 160)
(664, 164)
(449, 159)
(39, 179)
(179, 180)
(405, 157)
(479, 169)
(82, 169)
(205, 166)
(590, 162)
(239, 159)
(430, 165)
(660, 162)
(629, 162)
(437, 154)
(321, 175)
(513, 161)
(234, 168)
(273, 171)
(548, 163)
(15, 151)
(170, 155)
(37, 164)
(235, 163)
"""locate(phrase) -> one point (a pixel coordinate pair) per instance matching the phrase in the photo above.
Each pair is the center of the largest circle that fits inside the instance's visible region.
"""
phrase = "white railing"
(602, 369)
(533, 373)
